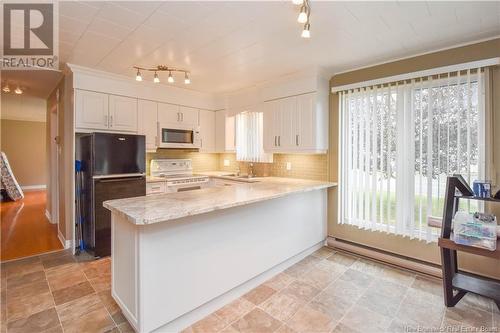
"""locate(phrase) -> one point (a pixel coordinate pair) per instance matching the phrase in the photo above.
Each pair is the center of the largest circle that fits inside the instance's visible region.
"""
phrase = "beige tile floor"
(325, 292)
(56, 293)
(331, 291)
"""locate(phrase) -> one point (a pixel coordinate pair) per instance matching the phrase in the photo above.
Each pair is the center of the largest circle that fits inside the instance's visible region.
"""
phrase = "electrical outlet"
(289, 166)
(226, 162)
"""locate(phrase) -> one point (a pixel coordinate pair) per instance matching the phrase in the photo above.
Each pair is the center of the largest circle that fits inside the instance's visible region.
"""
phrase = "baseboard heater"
(386, 257)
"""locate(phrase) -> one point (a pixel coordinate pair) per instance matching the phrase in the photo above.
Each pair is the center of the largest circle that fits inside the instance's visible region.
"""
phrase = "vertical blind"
(250, 138)
(399, 143)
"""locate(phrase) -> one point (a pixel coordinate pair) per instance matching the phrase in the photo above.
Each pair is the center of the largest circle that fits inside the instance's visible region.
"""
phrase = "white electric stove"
(178, 175)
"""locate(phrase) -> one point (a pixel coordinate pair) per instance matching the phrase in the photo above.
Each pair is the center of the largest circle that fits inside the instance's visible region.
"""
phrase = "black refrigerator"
(113, 167)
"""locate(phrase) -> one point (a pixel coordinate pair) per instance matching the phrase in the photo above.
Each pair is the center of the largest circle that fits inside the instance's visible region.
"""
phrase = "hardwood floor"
(25, 229)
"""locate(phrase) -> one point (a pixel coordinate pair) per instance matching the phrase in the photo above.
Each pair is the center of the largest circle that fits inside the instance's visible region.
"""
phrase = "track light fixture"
(18, 90)
(162, 68)
(303, 18)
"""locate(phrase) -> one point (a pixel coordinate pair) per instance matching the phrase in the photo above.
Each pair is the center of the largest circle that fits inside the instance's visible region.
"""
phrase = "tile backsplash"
(201, 161)
(307, 166)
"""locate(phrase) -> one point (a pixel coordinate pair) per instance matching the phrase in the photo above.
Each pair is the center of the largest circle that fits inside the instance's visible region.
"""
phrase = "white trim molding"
(417, 74)
(33, 187)
(65, 243)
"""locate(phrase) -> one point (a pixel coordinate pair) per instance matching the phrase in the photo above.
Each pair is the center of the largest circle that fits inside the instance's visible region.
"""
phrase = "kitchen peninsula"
(177, 257)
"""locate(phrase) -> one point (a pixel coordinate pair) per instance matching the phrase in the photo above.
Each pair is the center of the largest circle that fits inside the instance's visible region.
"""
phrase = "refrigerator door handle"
(114, 180)
(123, 175)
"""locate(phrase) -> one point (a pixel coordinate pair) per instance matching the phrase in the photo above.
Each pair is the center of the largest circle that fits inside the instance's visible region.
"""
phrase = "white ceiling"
(232, 45)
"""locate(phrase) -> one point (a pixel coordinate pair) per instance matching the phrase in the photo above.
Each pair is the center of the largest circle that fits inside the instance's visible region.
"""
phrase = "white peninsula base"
(168, 275)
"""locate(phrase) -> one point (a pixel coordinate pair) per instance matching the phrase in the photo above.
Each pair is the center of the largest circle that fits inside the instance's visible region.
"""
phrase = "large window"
(398, 145)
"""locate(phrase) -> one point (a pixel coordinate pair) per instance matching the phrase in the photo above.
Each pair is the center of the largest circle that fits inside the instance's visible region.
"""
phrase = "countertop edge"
(219, 207)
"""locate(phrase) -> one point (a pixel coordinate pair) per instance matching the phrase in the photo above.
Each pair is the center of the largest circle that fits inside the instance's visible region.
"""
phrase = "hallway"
(26, 230)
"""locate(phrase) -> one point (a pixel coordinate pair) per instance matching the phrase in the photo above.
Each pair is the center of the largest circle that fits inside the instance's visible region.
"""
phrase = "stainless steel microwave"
(178, 136)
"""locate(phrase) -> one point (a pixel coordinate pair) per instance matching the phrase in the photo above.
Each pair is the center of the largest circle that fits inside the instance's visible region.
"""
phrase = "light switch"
(289, 166)
(226, 162)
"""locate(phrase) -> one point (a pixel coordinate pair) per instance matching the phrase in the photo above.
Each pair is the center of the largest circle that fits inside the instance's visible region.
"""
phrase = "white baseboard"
(65, 243)
(385, 257)
(33, 187)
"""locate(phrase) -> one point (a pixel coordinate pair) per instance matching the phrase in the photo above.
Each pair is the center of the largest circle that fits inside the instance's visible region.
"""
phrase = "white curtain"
(400, 142)
(250, 138)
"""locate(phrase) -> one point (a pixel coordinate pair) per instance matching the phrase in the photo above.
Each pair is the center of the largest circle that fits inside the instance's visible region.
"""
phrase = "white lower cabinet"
(156, 188)
(296, 124)
(147, 122)
(207, 131)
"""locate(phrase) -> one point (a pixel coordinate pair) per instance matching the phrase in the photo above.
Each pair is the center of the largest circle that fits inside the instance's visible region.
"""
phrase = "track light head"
(306, 33)
(302, 18)
(156, 79)
(170, 78)
(18, 90)
(138, 76)
(6, 89)
(187, 80)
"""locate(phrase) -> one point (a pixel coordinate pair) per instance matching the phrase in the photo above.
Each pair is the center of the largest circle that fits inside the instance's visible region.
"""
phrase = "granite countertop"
(170, 206)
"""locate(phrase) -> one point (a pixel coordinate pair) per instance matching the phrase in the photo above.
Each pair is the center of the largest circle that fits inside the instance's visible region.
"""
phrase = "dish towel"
(9, 182)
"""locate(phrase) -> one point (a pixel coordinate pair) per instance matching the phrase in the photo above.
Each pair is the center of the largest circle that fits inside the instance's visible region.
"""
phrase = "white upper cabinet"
(175, 114)
(188, 116)
(207, 131)
(224, 132)
(122, 113)
(96, 111)
(91, 110)
(296, 124)
(148, 122)
(168, 113)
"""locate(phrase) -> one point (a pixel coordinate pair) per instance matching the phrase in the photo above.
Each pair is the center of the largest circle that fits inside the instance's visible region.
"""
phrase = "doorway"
(29, 139)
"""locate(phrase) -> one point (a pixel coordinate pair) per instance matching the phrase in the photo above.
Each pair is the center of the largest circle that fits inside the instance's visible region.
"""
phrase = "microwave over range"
(178, 136)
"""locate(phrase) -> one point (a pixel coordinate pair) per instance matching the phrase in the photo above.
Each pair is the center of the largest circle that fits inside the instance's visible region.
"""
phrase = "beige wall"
(24, 144)
(396, 244)
(23, 107)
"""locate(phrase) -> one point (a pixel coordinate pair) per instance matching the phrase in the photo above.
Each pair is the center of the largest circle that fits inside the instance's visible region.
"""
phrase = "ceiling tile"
(78, 10)
(108, 28)
(121, 16)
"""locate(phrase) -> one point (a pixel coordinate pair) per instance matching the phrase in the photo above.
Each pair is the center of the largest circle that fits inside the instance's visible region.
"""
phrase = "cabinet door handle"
(106, 121)
(182, 116)
(178, 117)
(279, 140)
(297, 139)
(111, 121)
(275, 138)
